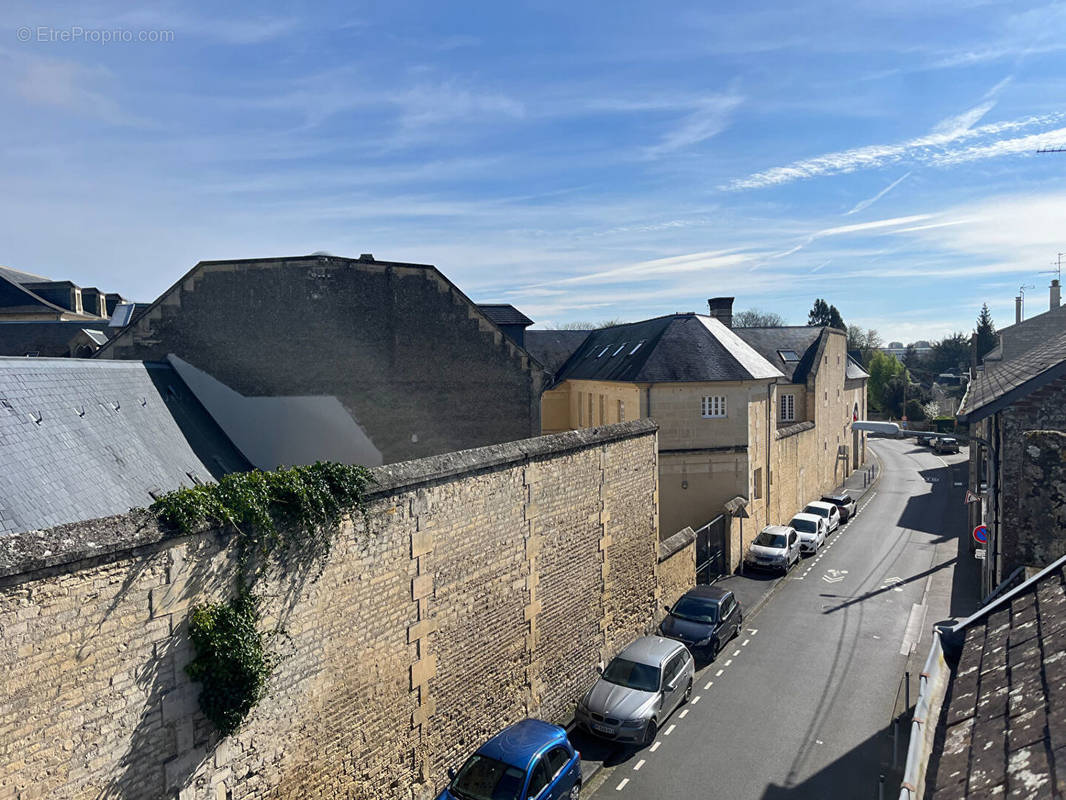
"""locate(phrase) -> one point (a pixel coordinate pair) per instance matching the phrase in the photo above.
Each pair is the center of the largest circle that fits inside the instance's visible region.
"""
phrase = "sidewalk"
(753, 589)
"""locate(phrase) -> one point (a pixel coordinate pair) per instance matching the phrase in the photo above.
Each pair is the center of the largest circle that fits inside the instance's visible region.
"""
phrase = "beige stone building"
(760, 413)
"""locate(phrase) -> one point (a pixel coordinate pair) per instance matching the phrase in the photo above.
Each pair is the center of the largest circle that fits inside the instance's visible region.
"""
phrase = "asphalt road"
(801, 704)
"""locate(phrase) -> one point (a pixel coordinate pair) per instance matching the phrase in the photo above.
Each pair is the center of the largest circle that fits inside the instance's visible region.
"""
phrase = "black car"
(704, 619)
(843, 502)
(925, 439)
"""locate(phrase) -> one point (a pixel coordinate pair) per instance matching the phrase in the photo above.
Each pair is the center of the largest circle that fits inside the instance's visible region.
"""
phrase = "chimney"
(1056, 294)
(1017, 309)
(721, 308)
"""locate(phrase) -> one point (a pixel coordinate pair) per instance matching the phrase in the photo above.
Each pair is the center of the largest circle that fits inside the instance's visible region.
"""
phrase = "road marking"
(728, 662)
(622, 785)
(695, 699)
(718, 674)
(683, 714)
(894, 582)
(753, 631)
(914, 628)
(708, 686)
(736, 653)
(745, 643)
(798, 578)
(638, 765)
(654, 747)
(669, 730)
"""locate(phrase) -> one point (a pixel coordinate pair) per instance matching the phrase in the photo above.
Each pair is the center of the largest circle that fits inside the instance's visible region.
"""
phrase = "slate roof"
(1002, 731)
(770, 342)
(47, 338)
(1021, 336)
(18, 276)
(855, 371)
(1002, 382)
(680, 347)
(553, 348)
(85, 438)
(503, 314)
(16, 299)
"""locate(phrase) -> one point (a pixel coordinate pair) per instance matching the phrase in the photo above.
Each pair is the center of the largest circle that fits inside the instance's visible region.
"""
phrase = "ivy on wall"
(288, 516)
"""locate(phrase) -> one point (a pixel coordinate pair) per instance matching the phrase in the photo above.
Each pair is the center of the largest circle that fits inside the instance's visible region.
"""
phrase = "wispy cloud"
(933, 148)
(707, 121)
(71, 87)
(865, 204)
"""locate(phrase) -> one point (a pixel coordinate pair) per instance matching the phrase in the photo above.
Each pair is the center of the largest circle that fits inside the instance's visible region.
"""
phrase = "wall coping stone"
(792, 430)
(676, 543)
(21, 553)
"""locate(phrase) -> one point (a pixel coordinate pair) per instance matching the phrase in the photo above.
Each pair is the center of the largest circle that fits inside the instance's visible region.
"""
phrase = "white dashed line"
(745, 643)
(638, 765)
(718, 674)
(708, 686)
(654, 747)
(695, 699)
(736, 653)
(728, 662)
(669, 730)
(683, 714)
(622, 785)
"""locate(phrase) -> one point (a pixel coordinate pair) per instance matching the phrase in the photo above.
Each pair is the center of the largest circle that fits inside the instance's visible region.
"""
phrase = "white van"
(888, 429)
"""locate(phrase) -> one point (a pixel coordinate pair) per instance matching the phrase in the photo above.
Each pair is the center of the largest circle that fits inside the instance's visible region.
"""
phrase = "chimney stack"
(721, 308)
(1056, 294)
(1017, 309)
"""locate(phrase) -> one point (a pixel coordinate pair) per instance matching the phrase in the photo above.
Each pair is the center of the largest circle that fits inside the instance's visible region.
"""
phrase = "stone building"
(1012, 406)
(760, 413)
(27, 297)
(372, 361)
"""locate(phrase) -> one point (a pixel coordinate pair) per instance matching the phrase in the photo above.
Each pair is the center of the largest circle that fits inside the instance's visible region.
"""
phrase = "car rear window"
(805, 525)
(821, 512)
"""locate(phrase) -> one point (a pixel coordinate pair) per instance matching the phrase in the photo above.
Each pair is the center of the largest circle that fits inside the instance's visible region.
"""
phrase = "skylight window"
(788, 355)
(604, 350)
(639, 344)
(621, 347)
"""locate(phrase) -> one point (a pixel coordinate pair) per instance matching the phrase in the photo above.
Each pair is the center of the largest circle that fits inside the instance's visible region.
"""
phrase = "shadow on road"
(592, 748)
(888, 587)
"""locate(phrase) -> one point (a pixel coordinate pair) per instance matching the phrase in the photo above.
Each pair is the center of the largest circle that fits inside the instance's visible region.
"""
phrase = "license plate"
(602, 728)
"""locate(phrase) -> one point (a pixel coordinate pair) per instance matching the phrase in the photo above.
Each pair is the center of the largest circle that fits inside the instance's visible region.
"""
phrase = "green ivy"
(231, 661)
(290, 514)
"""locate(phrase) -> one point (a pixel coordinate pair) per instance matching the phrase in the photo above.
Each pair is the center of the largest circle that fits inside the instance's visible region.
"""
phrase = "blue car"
(530, 760)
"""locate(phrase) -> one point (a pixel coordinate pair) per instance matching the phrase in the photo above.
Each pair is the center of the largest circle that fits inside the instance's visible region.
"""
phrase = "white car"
(777, 547)
(829, 512)
(811, 529)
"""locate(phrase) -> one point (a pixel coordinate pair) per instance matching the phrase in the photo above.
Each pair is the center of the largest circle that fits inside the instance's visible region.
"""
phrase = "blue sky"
(582, 161)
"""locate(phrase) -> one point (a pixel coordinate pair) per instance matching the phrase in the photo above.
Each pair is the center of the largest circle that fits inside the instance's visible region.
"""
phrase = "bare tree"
(755, 318)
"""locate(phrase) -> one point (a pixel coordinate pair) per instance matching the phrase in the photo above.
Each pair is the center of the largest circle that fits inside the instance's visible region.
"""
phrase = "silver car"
(638, 690)
(777, 547)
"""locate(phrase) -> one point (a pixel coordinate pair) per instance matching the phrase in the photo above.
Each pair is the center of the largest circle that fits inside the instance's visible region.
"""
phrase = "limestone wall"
(486, 587)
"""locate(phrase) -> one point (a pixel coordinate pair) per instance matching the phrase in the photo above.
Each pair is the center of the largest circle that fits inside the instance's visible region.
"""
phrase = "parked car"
(827, 510)
(705, 618)
(844, 503)
(638, 690)
(530, 759)
(925, 439)
(946, 444)
(776, 547)
(811, 530)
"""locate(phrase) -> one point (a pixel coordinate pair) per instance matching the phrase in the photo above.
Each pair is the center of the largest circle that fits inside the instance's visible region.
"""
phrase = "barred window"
(788, 407)
(714, 406)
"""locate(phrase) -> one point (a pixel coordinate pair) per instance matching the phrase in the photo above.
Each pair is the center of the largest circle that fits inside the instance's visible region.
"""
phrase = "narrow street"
(801, 704)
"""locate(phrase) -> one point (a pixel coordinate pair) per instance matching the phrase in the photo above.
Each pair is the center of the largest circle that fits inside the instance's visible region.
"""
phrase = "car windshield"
(947, 441)
(821, 512)
(805, 525)
(484, 778)
(697, 609)
(766, 539)
(632, 675)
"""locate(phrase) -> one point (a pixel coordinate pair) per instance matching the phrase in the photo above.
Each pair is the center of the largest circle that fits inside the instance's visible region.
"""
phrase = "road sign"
(971, 497)
(980, 534)
(979, 554)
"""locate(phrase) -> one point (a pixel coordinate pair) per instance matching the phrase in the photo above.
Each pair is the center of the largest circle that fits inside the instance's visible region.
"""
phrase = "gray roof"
(680, 347)
(18, 276)
(84, 438)
(1002, 382)
(46, 338)
(14, 298)
(855, 371)
(553, 348)
(771, 342)
(1015, 339)
(504, 314)
(1002, 731)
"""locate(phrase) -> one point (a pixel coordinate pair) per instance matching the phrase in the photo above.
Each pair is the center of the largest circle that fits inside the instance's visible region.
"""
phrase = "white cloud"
(71, 87)
(707, 121)
(865, 204)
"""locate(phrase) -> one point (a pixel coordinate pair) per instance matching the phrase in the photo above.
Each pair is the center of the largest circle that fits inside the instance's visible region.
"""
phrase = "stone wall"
(677, 566)
(486, 587)
(1041, 521)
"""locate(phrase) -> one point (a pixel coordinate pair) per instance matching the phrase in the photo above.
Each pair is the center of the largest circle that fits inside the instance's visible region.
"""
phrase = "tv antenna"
(1021, 294)
(1051, 150)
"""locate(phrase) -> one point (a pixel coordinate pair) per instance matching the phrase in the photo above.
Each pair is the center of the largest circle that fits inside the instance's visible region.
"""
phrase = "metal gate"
(710, 549)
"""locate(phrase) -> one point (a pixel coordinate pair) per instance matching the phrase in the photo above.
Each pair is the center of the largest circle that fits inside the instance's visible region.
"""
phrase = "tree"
(588, 326)
(950, 354)
(865, 341)
(885, 383)
(824, 314)
(754, 318)
(986, 332)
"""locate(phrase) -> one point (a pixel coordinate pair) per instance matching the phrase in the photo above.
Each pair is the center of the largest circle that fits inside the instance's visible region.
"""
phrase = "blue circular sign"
(980, 534)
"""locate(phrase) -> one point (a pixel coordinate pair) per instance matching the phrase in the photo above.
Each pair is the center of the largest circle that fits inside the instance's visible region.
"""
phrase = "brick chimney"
(721, 308)
(1056, 294)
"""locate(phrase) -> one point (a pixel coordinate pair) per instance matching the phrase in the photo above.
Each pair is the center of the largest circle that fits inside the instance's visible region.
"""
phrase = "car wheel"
(712, 651)
(688, 694)
(650, 732)
(575, 792)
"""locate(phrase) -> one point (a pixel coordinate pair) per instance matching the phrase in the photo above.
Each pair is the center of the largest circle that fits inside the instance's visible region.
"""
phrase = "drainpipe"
(769, 444)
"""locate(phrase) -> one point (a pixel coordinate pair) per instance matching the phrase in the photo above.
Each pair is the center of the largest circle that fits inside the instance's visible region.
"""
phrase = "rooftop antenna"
(1021, 294)
(1051, 150)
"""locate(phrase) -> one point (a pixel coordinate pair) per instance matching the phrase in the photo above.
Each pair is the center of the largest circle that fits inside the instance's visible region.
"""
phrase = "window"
(621, 411)
(590, 409)
(788, 408)
(580, 409)
(603, 410)
(621, 347)
(756, 484)
(538, 780)
(604, 350)
(788, 355)
(714, 405)
(635, 349)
